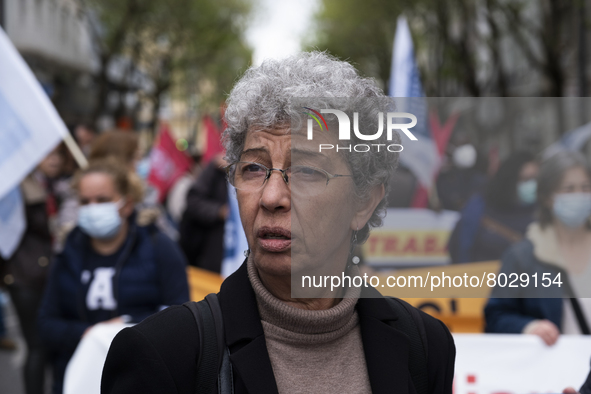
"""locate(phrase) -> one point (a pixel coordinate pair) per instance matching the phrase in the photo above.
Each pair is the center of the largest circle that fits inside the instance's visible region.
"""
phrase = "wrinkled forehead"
(286, 146)
(269, 144)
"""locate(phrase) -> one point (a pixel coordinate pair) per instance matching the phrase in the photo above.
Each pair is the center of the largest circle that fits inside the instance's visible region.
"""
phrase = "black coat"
(28, 267)
(201, 228)
(160, 354)
(586, 388)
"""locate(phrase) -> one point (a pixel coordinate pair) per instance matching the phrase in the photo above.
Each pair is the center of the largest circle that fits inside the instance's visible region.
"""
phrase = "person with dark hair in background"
(176, 200)
(461, 176)
(111, 269)
(492, 221)
(558, 242)
(25, 272)
(85, 136)
(202, 224)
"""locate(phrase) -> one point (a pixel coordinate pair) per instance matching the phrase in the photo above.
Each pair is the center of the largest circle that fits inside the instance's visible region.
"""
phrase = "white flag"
(29, 129)
(30, 126)
(421, 156)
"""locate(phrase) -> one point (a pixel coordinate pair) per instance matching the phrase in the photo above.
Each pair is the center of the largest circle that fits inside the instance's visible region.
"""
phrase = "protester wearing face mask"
(492, 221)
(122, 146)
(559, 241)
(111, 269)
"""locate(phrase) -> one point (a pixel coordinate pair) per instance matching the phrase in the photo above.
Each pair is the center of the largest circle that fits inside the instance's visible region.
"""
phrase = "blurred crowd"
(532, 212)
(102, 246)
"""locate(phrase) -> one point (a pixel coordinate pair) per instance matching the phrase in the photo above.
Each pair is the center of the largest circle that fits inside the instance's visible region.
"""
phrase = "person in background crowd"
(202, 225)
(461, 177)
(25, 273)
(124, 147)
(176, 201)
(111, 269)
(492, 221)
(5, 342)
(403, 185)
(558, 242)
(85, 136)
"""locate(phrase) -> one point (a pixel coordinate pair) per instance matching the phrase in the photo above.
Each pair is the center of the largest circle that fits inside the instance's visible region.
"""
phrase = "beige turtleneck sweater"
(313, 351)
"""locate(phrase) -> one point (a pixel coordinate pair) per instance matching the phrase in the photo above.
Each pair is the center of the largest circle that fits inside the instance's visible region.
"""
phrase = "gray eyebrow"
(262, 149)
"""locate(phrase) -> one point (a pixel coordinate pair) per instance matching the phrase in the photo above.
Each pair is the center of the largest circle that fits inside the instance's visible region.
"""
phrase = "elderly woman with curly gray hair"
(303, 210)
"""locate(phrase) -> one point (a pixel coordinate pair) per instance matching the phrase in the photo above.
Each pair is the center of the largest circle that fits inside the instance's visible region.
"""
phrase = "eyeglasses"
(249, 176)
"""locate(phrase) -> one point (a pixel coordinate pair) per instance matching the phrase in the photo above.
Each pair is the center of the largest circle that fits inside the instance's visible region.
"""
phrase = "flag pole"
(75, 151)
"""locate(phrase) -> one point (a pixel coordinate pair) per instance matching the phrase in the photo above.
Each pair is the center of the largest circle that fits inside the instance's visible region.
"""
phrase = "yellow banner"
(420, 245)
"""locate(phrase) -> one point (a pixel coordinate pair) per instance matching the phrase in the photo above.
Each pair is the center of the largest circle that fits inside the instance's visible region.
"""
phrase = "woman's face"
(529, 171)
(571, 203)
(574, 180)
(96, 188)
(282, 221)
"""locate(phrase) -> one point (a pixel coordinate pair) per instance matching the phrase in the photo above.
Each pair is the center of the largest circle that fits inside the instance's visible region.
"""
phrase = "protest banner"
(512, 364)
(410, 237)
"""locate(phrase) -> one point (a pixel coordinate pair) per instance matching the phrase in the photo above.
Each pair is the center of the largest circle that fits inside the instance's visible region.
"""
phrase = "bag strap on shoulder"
(213, 366)
(411, 323)
(576, 305)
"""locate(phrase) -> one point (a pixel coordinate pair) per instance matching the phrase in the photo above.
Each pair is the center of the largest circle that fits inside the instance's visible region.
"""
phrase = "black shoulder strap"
(580, 316)
(225, 378)
(411, 323)
(574, 301)
(213, 364)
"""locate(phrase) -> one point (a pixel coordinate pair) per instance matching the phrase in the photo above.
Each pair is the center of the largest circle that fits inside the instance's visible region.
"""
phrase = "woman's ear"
(128, 207)
(367, 207)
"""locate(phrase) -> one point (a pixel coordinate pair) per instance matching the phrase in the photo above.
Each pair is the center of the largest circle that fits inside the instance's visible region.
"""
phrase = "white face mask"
(572, 209)
(526, 191)
(101, 220)
(464, 156)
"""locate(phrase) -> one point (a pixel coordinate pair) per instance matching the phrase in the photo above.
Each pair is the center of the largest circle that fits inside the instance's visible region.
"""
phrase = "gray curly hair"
(263, 99)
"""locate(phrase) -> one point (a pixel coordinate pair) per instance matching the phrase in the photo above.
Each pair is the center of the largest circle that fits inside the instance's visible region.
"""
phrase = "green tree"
(174, 42)
(463, 47)
(361, 34)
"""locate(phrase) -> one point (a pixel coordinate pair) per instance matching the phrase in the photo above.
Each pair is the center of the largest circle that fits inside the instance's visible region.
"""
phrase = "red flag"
(441, 134)
(167, 163)
(213, 145)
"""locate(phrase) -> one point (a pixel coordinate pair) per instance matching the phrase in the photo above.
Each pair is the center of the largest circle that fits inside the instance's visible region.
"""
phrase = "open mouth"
(274, 233)
(274, 239)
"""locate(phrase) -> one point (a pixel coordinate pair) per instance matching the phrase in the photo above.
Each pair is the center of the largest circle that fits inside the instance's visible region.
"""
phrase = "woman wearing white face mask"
(111, 269)
(559, 242)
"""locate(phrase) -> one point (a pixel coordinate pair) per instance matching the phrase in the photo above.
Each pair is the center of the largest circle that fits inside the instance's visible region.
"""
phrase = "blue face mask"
(572, 209)
(100, 221)
(526, 191)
